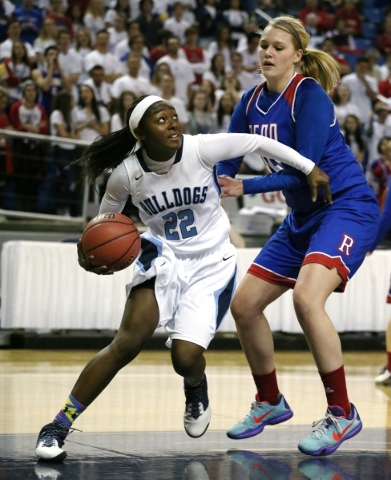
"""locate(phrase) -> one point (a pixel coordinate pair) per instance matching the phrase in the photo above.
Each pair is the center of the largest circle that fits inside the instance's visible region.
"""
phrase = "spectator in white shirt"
(177, 24)
(121, 7)
(222, 44)
(132, 80)
(250, 55)
(102, 56)
(70, 61)
(63, 124)
(117, 32)
(180, 68)
(83, 47)
(45, 39)
(102, 89)
(343, 106)
(124, 102)
(167, 87)
(13, 33)
(216, 71)
(379, 127)
(136, 45)
(122, 48)
(92, 119)
(94, 19)
(363, 89)
(236, 19)
(246, 79)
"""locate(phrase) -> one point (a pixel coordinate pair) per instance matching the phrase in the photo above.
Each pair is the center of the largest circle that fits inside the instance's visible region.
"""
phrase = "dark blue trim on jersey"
(215, 180)
(151, 249)
(145, 167)
(223, 299)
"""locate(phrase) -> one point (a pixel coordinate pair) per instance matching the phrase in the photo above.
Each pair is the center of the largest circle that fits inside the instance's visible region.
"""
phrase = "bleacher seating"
(369, 30)
(374, 15)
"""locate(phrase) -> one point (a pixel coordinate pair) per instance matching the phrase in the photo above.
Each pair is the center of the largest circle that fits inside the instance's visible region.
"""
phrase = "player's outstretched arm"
(283, 180)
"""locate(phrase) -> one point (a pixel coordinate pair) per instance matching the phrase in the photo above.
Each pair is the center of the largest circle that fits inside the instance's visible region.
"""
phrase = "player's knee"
(242, 312)
(306, 306)
(125, 347)
(184, 357)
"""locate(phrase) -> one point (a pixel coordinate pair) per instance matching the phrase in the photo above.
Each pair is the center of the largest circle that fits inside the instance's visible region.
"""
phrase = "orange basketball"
(113, 239)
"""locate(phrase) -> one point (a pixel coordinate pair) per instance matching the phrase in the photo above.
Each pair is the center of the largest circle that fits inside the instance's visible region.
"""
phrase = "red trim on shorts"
(270, 276)
(330, 262)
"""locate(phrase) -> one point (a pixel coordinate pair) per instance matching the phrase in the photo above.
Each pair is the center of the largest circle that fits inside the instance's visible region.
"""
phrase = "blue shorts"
(336, 236)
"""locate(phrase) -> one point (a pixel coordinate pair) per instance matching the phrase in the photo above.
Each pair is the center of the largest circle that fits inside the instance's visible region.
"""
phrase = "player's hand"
(318, 180)
(230, 187)
(85, 262)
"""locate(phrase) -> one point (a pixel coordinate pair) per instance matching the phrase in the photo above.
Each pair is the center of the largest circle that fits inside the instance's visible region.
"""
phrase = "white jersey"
(182, 207)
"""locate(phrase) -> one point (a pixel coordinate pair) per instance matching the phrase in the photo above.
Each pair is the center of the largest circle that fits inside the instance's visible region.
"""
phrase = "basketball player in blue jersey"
(184, 277)
(318, 247)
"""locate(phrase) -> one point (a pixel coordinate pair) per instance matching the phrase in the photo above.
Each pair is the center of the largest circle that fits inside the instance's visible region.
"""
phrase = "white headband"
(140, 109)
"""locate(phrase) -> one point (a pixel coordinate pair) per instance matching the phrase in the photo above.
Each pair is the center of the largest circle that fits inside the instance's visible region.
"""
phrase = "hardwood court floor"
(135, 428)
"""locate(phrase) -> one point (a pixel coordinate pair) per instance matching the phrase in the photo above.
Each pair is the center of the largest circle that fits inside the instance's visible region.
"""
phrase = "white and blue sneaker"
(197, 412)
(50, 440)
(330, 431)
(261, 414)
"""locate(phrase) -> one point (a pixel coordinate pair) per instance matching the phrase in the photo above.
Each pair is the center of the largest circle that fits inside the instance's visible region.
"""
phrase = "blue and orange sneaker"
(330, 431)
(322, 468)
(261, 414)
(260, 467)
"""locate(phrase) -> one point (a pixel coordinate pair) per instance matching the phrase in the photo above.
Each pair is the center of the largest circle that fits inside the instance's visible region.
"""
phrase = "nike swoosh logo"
(226, 258)
(259, 419)
(138, 178)
(338, 436)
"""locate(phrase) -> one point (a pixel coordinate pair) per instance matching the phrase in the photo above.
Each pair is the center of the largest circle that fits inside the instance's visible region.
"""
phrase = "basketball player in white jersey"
(184, 277)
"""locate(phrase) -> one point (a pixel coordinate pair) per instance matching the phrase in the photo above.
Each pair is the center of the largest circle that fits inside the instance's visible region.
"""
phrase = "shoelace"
(322, 425)
(194, 403)
(253, 405)
(52, 434)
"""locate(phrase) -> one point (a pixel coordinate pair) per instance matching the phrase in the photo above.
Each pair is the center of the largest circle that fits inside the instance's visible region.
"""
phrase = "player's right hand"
(318, 180)
(85, 262)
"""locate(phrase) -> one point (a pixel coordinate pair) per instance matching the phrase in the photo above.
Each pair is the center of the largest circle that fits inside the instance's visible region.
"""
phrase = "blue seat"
(374, 15)
(381, 3)
(364, 43)
(351, 58)
(369, 30)
(369, 4)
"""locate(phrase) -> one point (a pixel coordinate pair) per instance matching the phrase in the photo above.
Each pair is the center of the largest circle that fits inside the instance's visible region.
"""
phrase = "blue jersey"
(289, 118)
(46, 97)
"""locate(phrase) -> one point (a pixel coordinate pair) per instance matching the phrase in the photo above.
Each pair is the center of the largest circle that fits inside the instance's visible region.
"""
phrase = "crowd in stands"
(72, 68)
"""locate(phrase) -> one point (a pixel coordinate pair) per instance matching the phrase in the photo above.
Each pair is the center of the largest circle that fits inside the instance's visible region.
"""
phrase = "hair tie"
(291, 30)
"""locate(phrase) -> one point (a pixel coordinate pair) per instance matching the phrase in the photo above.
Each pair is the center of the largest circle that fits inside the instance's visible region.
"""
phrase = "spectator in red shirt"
(195, 54)
(328, 46)
(6, 167)
(383, 41)
(56, 12)
(352, 17)
(385, 86)
(312, 7)
(27, 115)
(156, 53)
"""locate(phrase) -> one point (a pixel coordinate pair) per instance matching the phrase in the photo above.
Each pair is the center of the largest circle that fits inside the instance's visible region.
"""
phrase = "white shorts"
(193, 292)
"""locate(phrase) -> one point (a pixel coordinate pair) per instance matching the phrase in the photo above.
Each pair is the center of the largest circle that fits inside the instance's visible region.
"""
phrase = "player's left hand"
(230, 187)
(318, 180)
